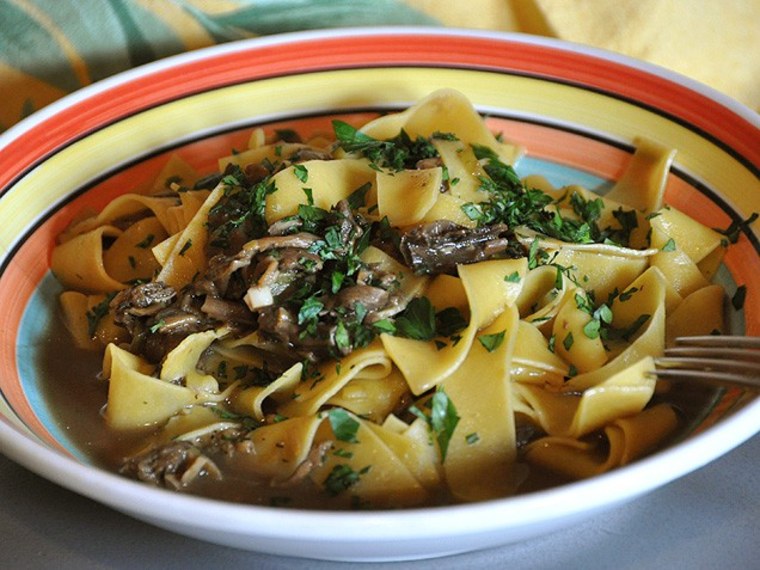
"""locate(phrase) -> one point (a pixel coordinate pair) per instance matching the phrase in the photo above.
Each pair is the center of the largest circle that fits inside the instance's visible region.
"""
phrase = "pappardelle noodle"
(389, 317)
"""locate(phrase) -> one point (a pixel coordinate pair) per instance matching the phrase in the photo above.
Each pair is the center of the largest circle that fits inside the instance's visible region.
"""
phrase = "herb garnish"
(97, 312)
(344, 426)
(491, 341)
(514, 204)
(420, 321)
(396, 154)
(241, 210)
(343, 477)
(442, 421)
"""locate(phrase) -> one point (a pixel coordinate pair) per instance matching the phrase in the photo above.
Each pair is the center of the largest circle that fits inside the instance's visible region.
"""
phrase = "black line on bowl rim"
(754, 169)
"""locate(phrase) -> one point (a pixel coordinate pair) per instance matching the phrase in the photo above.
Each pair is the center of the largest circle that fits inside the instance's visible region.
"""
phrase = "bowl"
(577, 111)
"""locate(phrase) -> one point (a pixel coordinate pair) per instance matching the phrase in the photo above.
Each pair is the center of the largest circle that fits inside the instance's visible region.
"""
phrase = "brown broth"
(77, 396)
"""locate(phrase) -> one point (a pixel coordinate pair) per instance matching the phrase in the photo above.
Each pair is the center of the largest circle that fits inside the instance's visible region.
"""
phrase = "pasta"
(389, 319)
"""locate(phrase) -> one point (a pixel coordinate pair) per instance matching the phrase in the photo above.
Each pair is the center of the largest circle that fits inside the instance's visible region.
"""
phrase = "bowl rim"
(645, 474)
(128, 75)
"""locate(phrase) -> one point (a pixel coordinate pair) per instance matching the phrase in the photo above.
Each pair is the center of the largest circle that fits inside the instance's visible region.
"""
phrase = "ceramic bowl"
(576, 110)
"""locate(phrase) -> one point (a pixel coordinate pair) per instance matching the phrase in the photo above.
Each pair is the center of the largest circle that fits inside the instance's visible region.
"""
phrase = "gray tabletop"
(708, 519)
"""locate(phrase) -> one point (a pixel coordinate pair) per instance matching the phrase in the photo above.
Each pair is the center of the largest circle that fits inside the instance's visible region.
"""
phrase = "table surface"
(706, 520)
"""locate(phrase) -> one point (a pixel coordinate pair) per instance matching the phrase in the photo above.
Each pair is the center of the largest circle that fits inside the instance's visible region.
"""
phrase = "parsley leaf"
(301, 172)
(443, 420)
(344, 426)
(342, 477)
(96, 313)
(670, 245)
(417, 321)
(491, 341)
(398, 153)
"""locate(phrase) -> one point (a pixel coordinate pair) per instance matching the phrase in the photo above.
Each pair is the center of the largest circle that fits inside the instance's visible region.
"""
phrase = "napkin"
(49, 48)
(714, 42)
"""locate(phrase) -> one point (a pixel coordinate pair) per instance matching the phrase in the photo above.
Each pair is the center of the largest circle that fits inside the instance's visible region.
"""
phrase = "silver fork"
(713, 358)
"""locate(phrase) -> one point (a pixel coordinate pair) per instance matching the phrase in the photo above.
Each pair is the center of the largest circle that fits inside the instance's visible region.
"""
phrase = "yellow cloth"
(716, 42)
(49, 48)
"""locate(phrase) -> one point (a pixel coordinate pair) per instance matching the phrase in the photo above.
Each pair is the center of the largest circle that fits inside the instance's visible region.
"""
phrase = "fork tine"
(712, 358)
(712, 352)
(710, 376)
(720, 340)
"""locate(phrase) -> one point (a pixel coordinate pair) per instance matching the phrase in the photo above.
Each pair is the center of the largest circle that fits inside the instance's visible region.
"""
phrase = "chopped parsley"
(417, 321)
(146, 242)
(669, 245)
(512, 203)
(97, 312)
(187, 245)
(240, 211)
(301, 172)
(491, 341)
(343, 477)
(442, 421)
(344, 426)
(420, 321)
(399, 153)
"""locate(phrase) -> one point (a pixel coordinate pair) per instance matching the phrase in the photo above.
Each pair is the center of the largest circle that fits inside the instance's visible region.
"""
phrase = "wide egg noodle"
(329, 181)
(483, 443)
(695, 239)
(424, 363)
(406, 197)
(541, 296)
(602, 273)
(269, 153)
(75, 308)
(560, 414)
(582, 351)
(384, 479)
(124, 207)
(371, 398)
(187, 257)
(642, 185)
(413, 445)
(700, 313)
(677, 267)
(626, 439)
(137, 398)
(532, 360)
(463, 168)
(443, 111)
(646, 301)
(313, 392)
(279, 448)
(250, 400)
(689, 253)
(176, 174)
(180, 216)
(78, 262)
(129, 258)
(180, 365)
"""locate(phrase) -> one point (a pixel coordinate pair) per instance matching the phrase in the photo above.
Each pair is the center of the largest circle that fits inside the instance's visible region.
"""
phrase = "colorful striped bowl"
(576, 110)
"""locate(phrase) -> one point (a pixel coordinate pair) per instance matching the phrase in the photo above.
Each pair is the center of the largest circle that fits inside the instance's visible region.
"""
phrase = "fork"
(713, 358)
